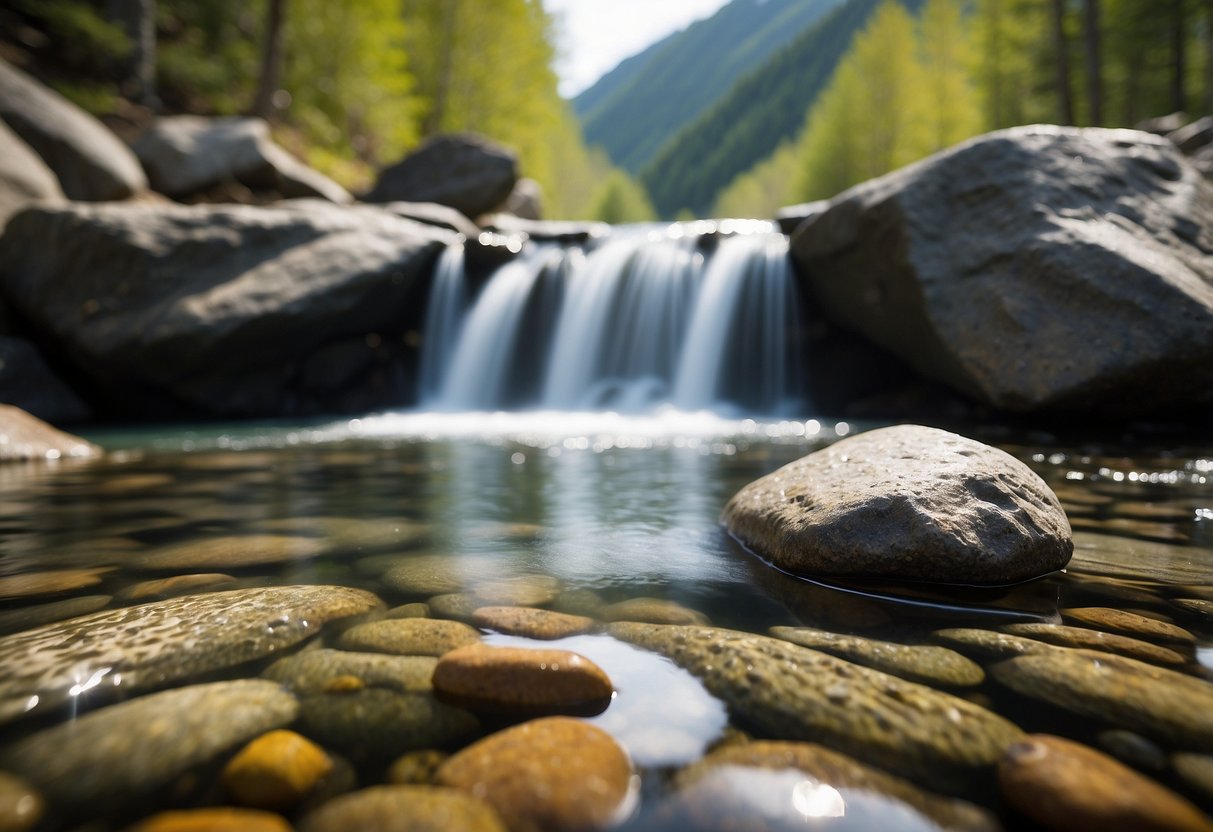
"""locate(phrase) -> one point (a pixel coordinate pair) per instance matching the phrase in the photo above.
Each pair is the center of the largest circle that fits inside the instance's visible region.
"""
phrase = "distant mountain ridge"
(635, 109)
(759, 112)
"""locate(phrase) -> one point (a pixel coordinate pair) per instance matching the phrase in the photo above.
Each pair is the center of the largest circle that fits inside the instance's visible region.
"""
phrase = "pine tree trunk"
(1062, 63)
(1094, 60)
(138, 19)
(270, 79)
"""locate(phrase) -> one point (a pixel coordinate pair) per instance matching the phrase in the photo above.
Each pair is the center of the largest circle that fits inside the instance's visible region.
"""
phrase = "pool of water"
(605, 510)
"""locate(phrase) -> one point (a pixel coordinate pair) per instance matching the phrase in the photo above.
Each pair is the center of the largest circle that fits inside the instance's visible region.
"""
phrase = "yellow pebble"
(276, 770)
(344, 684)
(213, 820)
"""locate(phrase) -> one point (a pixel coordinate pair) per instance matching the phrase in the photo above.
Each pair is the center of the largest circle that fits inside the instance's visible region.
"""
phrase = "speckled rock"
(554, 773)
(710, 792)
(789, 691)
(532, 623)
(416, 768)
(50, 582)
(519, 680)
(1069, 787)
(918, 663)
(437, 573)
(517, 591)
(131, 749)
(408, 637)
(21, 806)
(276, 771)
(174, 586)
(1095, 640)
(25, 618)
(405, 809)
(651, 611)
(988, 643)
(213, 819)
(905, 502)
(391, 708)
(163, 641)
(1153, 701)
(232, 552)
(414, 610)
(1129, 624)
(1195, 771)
(457, 606)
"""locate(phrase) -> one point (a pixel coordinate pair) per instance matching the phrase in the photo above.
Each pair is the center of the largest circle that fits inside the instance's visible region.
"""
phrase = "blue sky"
(595, 35)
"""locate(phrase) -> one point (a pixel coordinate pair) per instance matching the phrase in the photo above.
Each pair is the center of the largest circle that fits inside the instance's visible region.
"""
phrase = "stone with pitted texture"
(531, 622)
(520, 680)
(923, 663)
(139, 647)
(405, 809)
(907, 503)
(784, 690)
(408, 636)
(115, 754)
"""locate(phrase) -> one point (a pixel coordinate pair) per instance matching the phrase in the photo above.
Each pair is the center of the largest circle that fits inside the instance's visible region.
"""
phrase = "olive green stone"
(414, 610)
(408, 637)
(391, 711)
(457, 606)
(1081, 637)
(517, 591)
(115, 754)
(988, 644)
(165, 641)
(918, 663)
(795, 693)
(651, 611)
(230, 552)
(1129, 623)
(437, 573)
(530, 622)
(707, 802)
(405, 809)
(1153, 701)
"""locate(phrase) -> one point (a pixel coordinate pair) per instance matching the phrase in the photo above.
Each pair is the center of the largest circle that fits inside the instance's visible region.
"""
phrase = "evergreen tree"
(952, 107)
(622, 200)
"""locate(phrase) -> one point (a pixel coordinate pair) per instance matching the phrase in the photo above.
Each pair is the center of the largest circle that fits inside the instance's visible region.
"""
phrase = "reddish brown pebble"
(276, 771)
(518, 680)
(531, 622)
(1070, 787)
(553, 773)
(213, 820)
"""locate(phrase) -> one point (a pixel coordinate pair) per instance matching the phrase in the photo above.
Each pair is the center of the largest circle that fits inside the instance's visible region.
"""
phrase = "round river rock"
(906, 502)
(519, 680)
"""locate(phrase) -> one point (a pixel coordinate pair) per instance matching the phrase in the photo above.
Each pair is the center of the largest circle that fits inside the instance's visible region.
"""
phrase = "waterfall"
(647, 317)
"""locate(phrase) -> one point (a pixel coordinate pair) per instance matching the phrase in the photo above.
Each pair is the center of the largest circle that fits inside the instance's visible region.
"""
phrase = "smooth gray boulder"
(1037, 268)
(185, 155)
(223, 310)
(28, 382)
(24, 177)
(90, 162)
(1192, 137)
(905, 503)
(790, 217)
(469, 173)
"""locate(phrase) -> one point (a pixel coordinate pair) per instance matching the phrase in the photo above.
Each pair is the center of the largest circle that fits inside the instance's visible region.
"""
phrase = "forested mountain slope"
(637, 107)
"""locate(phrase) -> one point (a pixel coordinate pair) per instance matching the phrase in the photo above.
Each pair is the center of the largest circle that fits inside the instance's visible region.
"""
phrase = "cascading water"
(645, 318)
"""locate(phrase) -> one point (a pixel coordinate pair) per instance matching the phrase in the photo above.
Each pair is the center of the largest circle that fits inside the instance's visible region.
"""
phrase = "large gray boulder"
(1033, 268)
(24, 177)
(28, 382)
(905, 503)
(90, 162)
(185, 155)
(223, 310)
(466, 172)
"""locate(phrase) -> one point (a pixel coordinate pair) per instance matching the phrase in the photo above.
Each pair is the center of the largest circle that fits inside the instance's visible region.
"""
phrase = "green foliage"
(636, 109)
(952, 107)
(621, 199)
(1014, 70)
(764, 189)
(206, 57)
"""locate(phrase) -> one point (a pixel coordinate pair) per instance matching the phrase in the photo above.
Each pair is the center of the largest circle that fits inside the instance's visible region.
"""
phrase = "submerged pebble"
(1159, 703)
(1133, 749)
(215, 819)
(21, 807)
(26, 618)
(230, 552)
(276, 771)
(518, 680)
(989, 643)
(176, 585)
(531, 622)
(134, 648)
(416, 768)
(1082, 637)
(1130, 624)
(919, 663)
(1069, 787)
(408, 637)
(552, 773)
(796, 693)
(651, 611)
(118, 754)
(404, 809)
(1195, 771)
(50, 582)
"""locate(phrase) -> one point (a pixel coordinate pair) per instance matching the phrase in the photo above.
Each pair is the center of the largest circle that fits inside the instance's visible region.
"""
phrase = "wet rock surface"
(408, 637)
(531, 622)
(520, 680)
(276, 771)
(553, 773)
(21, 807)
(1129, 624)
(26, 437)
(906, 502)
(130, 749)
(24, 177)
(1082, 637)
(217, 819)
(1079, 235)
(1064, 785)
(230, 552)
(405, 809)
(138, 647)
(795, 693)
(919, 663)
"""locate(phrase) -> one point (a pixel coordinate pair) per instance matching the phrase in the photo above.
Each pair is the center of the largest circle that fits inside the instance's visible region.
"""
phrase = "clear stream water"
(621, 507)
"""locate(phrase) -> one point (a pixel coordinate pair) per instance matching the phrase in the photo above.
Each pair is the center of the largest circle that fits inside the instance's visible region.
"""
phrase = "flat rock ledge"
(907, 503)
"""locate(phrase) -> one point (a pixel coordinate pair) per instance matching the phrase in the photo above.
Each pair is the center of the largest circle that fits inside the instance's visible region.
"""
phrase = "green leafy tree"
(621, 199)
(764, 189)
(952, 107)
